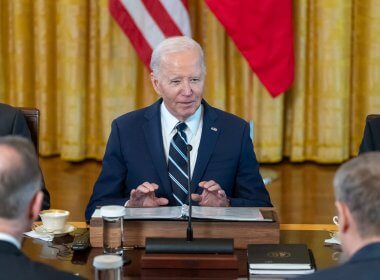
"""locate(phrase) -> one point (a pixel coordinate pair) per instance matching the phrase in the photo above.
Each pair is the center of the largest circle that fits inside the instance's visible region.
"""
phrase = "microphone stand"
(189, 232)
(189, 245)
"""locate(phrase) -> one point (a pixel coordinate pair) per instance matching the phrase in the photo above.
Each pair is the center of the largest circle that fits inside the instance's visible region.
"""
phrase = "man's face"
(180, 82)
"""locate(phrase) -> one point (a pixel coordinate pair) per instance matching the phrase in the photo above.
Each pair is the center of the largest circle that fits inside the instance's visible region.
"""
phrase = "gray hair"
(20, 176)
(357, 184)
(171, 45)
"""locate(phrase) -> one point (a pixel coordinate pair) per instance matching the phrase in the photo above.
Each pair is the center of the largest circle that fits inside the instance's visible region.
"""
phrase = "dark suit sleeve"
(109, 188)
(366, 144)
(371, 135)
(249, 186)
(20, 128)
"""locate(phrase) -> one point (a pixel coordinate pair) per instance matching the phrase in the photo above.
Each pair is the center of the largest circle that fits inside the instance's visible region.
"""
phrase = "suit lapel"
(153, 138)
(210, 133)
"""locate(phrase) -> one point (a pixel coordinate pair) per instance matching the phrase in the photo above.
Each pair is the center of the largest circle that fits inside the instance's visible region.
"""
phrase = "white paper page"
(200, 212)
(147, 213)
(281, 272)
(228, 213)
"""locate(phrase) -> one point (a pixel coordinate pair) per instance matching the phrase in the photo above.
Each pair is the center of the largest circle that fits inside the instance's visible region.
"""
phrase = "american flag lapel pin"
(214, 129)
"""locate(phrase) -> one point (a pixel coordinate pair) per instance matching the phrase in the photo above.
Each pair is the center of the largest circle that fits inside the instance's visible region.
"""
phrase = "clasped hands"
(212, 195)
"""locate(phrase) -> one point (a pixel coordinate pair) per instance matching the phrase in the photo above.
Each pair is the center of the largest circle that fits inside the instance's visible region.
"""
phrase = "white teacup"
(54, 219)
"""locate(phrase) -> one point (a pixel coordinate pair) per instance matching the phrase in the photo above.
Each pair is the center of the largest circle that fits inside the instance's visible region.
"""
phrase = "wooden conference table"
(58, 254)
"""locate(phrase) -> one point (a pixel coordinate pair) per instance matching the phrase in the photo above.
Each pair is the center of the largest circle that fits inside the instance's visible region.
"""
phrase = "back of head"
(20, 176)
(357, 184)
(175, 44)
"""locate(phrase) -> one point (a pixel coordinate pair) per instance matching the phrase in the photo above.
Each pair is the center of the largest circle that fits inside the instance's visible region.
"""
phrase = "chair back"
(32, 116)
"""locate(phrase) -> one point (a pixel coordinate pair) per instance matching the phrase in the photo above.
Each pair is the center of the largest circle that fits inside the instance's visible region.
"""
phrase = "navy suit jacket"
(16, 266)
(135, 154)
(365, 264)
(12, 122)
(371, 135)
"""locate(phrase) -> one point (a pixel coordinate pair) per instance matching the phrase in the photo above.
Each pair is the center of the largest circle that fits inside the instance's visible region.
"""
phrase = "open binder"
(248, 214)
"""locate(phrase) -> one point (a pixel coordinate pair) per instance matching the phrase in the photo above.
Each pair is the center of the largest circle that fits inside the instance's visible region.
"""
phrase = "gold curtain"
(69, 59)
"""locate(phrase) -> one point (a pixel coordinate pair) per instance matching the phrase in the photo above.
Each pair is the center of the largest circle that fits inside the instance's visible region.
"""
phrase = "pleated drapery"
(70, 59)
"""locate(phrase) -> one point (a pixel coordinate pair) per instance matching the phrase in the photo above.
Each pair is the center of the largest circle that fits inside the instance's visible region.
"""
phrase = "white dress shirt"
(9, 238)
(193, 132)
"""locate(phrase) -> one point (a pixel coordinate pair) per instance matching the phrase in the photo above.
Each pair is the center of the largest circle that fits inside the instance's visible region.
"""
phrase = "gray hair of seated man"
(20, 176)
(172, 45)
(357, 184)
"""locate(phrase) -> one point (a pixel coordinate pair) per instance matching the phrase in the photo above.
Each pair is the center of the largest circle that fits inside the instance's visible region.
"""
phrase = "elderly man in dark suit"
(12, 122)
(146, 160)
(20, 203)
(357, 191)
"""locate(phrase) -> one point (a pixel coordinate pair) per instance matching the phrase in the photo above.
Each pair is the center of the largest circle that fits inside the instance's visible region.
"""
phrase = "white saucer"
(334, 238)
(43, 231)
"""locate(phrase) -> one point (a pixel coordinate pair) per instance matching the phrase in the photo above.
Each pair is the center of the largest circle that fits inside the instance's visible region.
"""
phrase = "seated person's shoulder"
(12, 121)
(7, 110)
(21, 267)
(374, 120)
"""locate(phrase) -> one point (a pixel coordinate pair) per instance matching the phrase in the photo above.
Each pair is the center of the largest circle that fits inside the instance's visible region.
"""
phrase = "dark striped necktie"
(177, 164)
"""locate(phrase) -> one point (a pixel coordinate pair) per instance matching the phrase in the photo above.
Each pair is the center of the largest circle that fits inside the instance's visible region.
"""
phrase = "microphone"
(189, 245)
(189, 232)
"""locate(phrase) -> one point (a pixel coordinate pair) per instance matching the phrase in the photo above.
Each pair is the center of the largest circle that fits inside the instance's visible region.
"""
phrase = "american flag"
(148, 22)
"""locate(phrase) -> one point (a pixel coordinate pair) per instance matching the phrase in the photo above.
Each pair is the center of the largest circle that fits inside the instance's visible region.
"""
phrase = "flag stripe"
(130, 29)
(162, 18)
(184, 3)
(144, 21)
(147, 23)
(179, 14)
